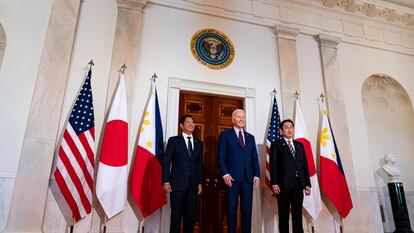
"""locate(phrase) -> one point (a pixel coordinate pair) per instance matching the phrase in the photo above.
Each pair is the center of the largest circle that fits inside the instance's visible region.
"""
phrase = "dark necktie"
(291, 148)
(190, 147)
(241, 142)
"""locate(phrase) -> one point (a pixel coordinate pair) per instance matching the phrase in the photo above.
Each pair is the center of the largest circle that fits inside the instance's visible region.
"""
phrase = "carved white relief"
(372, 10)
(286, 32)
(384, 95)
(328, 41)
(385, 84)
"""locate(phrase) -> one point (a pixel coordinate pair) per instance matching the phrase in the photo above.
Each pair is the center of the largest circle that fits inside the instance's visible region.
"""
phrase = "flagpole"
(105, 220)
(322, 105)
(73, 224)
(273, 101)
(340, 224)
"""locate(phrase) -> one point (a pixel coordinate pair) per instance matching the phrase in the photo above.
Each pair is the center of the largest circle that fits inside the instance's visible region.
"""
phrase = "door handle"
(207, 181)
(215, 182)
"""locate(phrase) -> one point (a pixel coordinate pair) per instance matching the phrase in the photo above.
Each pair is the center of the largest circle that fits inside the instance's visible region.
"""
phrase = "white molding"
(135, 5)
(8, 174)
(210, 88)
(286, 32)
(34, 231)
(328, 41)
(367, 189)
(175, 85)
(309, 17)
(375, 190)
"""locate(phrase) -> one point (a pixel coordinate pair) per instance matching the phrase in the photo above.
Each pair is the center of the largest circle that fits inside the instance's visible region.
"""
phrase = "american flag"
(75, 161)
(273, 134)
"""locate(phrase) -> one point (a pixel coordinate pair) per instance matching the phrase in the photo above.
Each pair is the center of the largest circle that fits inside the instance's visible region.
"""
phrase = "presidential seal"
(212, 48)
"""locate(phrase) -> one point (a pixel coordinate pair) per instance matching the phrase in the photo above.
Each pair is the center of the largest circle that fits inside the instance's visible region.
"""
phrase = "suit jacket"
(178, 168)
(283, 165)
(232, 158)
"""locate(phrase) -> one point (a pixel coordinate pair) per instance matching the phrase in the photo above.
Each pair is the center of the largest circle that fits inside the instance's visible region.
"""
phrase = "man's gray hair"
(233, 115)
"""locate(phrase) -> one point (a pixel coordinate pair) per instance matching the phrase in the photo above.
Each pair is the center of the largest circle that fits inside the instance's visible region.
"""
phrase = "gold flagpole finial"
(154, 77)
(91, 63)
(274, 92)
(322, 97)
(296, 95)
(123, 68)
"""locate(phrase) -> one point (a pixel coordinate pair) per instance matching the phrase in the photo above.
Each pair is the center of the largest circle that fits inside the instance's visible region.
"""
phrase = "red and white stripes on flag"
(313, 202)
(112, 178)
(273, 134)
(75, 159)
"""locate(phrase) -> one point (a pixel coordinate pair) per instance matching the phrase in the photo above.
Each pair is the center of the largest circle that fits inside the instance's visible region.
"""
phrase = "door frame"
(175, 85)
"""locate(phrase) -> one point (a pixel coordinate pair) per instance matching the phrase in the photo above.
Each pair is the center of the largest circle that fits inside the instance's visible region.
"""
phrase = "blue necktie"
(190, 147)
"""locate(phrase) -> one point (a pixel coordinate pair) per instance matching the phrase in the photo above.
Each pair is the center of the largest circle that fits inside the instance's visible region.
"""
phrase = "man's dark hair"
(183, 117)
(285, 121)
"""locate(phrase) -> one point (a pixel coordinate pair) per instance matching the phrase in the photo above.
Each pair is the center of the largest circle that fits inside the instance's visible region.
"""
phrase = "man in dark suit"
(289, 176)
(239, 166)
(182, 169)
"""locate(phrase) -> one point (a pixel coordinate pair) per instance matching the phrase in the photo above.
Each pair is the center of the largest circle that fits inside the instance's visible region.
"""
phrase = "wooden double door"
(212, 114)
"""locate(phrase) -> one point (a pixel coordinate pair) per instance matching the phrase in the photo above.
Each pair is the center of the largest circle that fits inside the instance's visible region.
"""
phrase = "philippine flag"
(333, 181)
(146, 182)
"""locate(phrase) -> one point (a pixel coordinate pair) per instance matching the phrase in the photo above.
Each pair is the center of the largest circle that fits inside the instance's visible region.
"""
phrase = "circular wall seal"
(212, 48)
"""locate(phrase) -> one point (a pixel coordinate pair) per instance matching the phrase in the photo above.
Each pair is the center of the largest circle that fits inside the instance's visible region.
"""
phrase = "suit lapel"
(184, 145)
(235, 137)
(297, 148)
(246, 139)
(196, 148)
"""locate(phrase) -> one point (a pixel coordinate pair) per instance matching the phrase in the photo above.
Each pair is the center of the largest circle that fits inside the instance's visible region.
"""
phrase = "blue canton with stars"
(274, 134)
(82, 117)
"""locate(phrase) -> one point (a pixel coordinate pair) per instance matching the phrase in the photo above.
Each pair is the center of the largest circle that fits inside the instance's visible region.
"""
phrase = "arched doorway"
(389, 118)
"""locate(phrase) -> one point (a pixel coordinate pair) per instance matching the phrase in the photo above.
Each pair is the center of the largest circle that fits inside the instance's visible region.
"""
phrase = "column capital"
(285, 32)
(328, 41)
(137, 5)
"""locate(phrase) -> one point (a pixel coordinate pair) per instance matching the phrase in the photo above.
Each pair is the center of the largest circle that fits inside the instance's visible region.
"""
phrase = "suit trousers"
(183, 207)
(290, 199)
(245, 190)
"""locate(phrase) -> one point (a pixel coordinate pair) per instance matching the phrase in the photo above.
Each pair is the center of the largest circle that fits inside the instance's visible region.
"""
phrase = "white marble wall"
(20, 20)
(6, 192)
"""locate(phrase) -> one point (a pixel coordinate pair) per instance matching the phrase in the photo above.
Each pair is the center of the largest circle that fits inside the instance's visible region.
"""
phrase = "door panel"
(212, 114)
